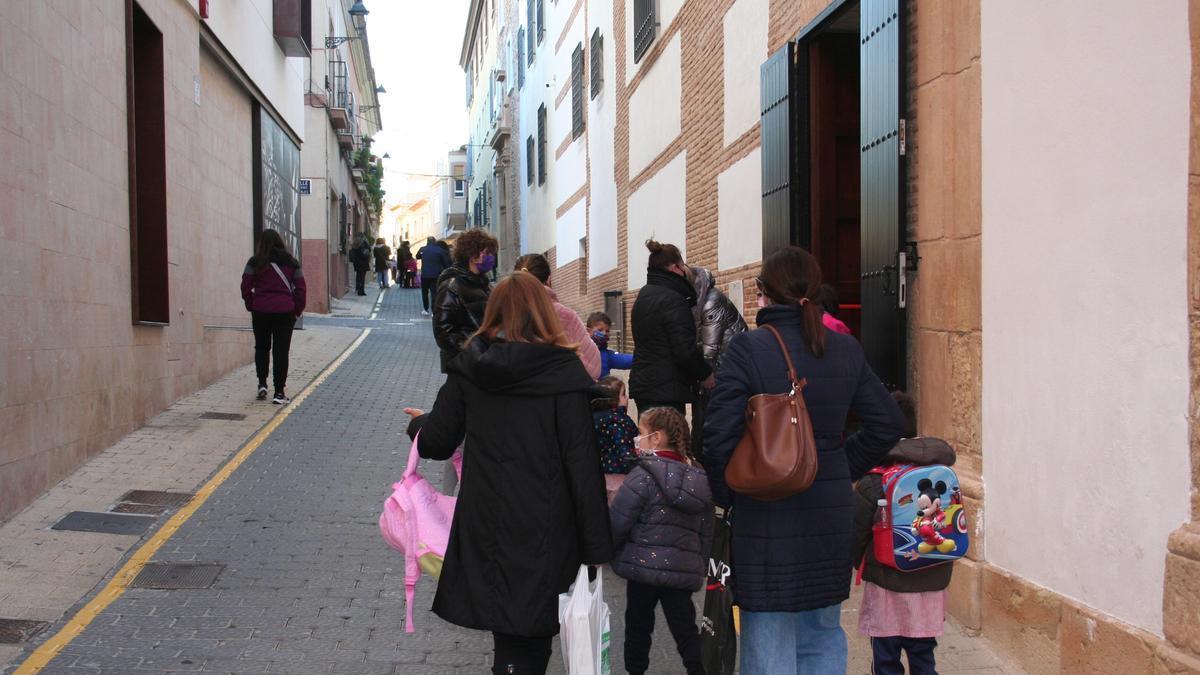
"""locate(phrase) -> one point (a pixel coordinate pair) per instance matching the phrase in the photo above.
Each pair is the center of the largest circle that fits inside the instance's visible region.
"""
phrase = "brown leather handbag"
(777, 456)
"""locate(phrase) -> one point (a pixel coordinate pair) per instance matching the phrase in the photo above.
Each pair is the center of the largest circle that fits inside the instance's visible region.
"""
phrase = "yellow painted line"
(41, 658)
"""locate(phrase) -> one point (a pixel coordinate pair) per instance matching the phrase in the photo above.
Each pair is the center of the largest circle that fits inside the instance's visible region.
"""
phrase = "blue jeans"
(782, 643)
(382, 277)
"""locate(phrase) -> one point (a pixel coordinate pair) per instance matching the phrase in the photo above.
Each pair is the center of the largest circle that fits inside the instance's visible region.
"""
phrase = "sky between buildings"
(415, 48)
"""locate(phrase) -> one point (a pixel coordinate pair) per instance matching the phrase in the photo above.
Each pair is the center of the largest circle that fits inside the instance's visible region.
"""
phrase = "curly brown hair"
(473, 242)
(673, 425)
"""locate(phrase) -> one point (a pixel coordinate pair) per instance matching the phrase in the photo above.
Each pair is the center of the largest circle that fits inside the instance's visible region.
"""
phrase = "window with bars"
(521, 58)
(541, 21)
(597, 73)
(531, 26)
(529, 160)
(645, 27)
(541, 141)
(577, 91)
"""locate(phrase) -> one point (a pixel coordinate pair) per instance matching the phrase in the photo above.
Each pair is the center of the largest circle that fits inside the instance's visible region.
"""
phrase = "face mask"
(600, 339)
(486, 265)
(637, 444)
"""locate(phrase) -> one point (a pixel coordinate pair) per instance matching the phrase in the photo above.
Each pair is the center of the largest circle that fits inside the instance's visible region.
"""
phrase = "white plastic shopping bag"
(584, 620)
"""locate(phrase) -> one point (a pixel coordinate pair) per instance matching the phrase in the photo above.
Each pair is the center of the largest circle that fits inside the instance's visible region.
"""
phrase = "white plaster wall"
(745, 51)
(571, 168)
(667, 11)
(655, 109)
(602, 123)
(570, 228)
(1085, 391)
(246, 29)
(739, 212)
(657, 210)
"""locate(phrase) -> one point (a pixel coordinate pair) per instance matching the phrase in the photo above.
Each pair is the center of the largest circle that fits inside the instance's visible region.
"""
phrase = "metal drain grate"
(106, 523)
(157, 498)
(16, 631)
(141, 509)
(169, 576)
(212, 415)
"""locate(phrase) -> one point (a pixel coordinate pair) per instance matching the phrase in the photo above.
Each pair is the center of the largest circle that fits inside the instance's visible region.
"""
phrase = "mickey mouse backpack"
(920, 522)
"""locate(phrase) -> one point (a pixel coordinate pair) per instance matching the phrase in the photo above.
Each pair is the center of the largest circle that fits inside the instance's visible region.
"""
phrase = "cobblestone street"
(308, 585)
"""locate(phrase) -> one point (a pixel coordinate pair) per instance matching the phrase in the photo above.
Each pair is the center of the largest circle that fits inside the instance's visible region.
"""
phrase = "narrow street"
(308, 586)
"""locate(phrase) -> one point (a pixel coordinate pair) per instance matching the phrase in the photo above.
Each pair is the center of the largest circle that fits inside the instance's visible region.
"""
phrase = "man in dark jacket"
(434, 260)
(667, 361)
(360, 257)
(383, 253)
(462, 292)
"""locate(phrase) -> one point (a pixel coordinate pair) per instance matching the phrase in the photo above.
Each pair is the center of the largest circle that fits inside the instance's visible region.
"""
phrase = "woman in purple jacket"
(274, 291)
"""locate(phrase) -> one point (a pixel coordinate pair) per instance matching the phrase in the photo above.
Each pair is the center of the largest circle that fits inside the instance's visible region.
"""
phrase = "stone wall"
(76, 373)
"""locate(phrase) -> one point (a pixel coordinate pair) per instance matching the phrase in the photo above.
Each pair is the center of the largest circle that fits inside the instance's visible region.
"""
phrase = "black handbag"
(718, 637)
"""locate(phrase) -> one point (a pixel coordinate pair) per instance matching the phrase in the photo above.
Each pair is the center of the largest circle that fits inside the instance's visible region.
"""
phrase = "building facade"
(342, 111)
(488, 60)
(145, 144)
(993, 291)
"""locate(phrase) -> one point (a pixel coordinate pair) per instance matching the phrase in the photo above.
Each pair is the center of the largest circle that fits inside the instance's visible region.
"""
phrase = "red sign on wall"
(203, 9)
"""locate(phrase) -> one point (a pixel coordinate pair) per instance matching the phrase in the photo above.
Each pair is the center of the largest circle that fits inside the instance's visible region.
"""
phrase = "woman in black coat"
(462, 293)
(791, 557)
(532, 505)
(668, 365)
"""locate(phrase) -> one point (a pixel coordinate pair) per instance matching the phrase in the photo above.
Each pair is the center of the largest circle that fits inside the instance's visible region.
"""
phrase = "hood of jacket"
(522, 368)
(922, 451)
(672, 281)
(684, 487)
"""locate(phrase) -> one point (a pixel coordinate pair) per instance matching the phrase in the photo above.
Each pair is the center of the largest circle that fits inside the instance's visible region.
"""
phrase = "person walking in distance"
(382, 253)
(434, 260)
(537, 265)
(274, 291)
(532, 510)
(667, 361)
(404, 258)
(462, 293)
(360, 257)
(791, 557)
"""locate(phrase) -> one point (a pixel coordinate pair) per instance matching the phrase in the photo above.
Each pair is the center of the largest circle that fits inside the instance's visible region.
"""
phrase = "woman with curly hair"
(462, 293)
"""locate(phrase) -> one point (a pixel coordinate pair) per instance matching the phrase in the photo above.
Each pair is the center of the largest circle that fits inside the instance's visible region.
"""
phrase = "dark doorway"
(834, 182)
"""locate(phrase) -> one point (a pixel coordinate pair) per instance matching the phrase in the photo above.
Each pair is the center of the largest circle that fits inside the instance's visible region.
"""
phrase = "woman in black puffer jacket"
(791, 557)
(668, 365)
(462, 293)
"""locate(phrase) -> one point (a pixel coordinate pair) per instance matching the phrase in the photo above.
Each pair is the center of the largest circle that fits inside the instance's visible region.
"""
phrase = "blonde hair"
(520, 309)
(672, 425)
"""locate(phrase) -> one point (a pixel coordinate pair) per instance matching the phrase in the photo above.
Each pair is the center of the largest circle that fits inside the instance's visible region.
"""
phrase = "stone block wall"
(75, 373)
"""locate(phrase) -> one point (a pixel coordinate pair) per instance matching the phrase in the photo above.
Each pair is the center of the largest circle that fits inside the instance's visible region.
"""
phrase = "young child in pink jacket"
(537, 265)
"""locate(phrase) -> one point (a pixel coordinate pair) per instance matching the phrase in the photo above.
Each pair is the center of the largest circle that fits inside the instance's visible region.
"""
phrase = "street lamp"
(380, 90)
(358, 13)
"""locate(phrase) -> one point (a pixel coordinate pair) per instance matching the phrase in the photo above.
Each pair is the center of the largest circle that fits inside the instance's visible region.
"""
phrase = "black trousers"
(885, 655)
(520, 655)
(272, 332)
(428, 287)
(639, 625)
(360, 282)
(644, 405)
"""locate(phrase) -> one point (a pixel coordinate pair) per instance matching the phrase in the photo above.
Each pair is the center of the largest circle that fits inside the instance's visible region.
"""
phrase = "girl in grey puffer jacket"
(662, 520)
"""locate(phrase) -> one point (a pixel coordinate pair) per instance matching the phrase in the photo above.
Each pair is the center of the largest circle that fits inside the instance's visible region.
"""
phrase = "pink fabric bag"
(416, 522)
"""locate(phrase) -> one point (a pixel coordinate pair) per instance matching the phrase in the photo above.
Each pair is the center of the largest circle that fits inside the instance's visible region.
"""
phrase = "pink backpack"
(416, 522)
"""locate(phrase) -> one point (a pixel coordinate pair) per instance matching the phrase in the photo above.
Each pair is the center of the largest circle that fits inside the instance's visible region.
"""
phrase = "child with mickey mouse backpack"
(901, 610)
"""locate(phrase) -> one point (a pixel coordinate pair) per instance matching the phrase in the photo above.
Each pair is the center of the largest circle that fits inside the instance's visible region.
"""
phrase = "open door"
(883, 202)
(833, 166)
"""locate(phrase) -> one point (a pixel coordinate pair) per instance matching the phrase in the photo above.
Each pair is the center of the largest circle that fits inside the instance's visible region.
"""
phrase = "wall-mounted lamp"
(358, 14)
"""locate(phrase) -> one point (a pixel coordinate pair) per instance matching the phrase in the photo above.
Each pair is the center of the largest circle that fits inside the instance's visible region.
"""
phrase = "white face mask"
(637, 444)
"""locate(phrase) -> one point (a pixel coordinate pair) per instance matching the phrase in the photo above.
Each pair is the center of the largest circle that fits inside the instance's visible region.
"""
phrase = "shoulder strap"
(284, 277)
(797, 383)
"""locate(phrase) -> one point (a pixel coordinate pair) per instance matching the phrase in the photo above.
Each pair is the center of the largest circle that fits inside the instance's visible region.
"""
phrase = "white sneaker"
(280, 398)
(424, 312)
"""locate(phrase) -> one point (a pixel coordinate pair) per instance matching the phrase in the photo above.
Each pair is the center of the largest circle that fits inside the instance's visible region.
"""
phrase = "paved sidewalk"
(44, 573)
(308, 584)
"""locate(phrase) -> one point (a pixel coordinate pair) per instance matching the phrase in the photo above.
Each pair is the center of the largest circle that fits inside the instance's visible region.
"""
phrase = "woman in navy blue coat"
(791, 557)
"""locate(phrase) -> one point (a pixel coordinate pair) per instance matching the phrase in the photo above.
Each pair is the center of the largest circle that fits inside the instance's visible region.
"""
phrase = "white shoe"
(280, 399)
(424, 312)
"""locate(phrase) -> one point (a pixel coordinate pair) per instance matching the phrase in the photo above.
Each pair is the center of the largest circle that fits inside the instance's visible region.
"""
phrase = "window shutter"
(782, 148)
(645, 26)
(541, 21)
(532, 29)
(597, 63)
(521, 59)
(883, 188)
(541, 141)
(577, 91)
(530, 151)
